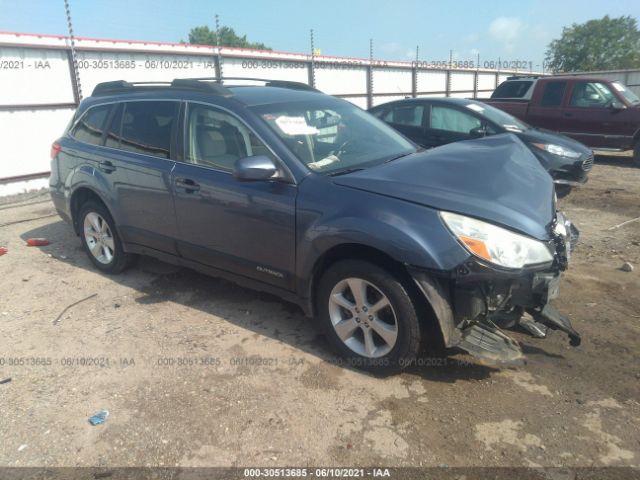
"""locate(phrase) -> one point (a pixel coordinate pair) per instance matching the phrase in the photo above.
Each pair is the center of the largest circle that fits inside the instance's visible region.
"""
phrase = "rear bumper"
(60, 204)
(468, 301)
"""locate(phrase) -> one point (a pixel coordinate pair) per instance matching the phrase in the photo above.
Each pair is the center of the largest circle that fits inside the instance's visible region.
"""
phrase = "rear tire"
(368, 317)
(100, 239)
(636, 154)
(563, 190)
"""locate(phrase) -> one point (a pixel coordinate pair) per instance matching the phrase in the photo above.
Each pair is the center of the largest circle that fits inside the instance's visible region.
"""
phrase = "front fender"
(329, 216)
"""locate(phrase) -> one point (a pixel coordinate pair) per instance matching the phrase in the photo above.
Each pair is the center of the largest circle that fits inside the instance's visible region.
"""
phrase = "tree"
(604, 44)
(228, 38)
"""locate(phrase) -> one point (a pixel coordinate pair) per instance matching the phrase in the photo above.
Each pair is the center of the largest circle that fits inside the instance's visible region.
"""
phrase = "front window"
(332, 136)
(508, 122)
(591, 94)
(216, 139)
(453, 120)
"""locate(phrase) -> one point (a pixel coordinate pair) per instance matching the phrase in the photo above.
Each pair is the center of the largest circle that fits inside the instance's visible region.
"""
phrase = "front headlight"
(557, 150)
(495, 244)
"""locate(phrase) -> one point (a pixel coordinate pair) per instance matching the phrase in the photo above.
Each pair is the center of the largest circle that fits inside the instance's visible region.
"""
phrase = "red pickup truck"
(597, 112)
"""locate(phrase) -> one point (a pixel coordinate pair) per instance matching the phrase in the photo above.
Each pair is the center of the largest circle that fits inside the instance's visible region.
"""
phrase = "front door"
(247, 228)
(592, 118)
(449, 124)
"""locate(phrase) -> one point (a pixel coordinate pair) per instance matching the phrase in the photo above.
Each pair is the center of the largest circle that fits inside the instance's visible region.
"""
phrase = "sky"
(509, 30)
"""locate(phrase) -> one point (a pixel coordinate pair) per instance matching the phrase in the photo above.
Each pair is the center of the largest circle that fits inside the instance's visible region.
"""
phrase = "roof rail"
(122, 86)
(268, 82)
(211, 85)
(516, 77)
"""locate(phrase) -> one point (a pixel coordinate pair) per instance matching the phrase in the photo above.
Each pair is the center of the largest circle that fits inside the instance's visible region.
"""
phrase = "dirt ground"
(195, 371)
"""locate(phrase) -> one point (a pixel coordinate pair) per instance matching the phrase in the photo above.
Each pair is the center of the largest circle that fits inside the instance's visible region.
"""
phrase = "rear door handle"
(189, 186)
(568, 114)
(106, 166)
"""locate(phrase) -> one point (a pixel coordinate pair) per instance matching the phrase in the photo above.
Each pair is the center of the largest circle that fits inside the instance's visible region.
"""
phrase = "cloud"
(392, 47)
(505, 29)
(471, 38)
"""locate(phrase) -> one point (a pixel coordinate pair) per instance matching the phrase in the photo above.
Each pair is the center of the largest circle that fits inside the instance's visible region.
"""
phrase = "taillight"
(55, 150)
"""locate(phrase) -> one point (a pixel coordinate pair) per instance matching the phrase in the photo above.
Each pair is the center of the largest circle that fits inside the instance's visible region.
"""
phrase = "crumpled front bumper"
(468, 301)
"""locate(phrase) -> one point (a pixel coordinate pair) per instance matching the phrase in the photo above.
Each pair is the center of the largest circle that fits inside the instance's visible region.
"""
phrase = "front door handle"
(189, 186)
(568, 114)
(106, 166)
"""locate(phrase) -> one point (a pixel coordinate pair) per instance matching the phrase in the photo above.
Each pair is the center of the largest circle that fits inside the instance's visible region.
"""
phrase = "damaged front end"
(476, 301)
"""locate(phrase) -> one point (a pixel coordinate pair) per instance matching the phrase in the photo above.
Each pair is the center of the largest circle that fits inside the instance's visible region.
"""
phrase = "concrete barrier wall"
(38, 92)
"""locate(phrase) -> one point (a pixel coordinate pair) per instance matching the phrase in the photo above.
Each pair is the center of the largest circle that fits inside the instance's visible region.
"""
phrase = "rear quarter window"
(90, 126)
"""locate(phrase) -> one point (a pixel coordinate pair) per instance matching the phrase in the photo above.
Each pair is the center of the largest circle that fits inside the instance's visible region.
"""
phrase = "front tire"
(369, 317)
(100, 239)
(636, 154)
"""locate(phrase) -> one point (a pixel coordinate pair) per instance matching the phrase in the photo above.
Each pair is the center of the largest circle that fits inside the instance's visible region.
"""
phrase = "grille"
(588, 163)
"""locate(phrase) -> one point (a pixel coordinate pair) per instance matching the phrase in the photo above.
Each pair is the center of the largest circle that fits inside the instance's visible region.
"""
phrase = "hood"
(540, 135)
(495, 178)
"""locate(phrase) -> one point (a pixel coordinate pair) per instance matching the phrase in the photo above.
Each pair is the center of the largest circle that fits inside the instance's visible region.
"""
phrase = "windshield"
(629, 96)
(332, 136)
(506, 121)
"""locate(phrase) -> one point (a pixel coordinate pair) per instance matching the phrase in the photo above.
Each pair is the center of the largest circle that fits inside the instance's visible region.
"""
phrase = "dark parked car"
(595, 111)
(431, 122)
(287, 190)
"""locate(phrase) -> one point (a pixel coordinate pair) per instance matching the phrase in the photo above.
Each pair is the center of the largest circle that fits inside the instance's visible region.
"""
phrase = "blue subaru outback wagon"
(281, 188)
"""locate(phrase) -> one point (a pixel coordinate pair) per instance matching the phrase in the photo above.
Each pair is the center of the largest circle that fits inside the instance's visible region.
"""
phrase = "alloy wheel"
(99, 238)
(363, 317)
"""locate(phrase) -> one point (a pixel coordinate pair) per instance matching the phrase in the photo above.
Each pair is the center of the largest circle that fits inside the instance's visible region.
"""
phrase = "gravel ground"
(198, 372)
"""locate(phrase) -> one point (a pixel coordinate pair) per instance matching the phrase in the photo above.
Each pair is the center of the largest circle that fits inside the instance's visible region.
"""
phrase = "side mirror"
(256, 167)
(617, 105)
(478, 132)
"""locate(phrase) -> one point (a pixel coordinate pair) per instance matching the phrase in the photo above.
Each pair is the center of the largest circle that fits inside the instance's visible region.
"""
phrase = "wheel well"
(354, 251)
(79, 198)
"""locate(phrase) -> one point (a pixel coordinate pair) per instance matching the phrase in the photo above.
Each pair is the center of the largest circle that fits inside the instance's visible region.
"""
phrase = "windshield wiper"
(345, 171)
(399, 156)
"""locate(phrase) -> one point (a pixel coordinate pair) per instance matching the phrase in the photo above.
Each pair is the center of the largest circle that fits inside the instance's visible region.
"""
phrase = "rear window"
(553, 93)
(146, 127)
(90, 127)
(512, 89)
(410, 115)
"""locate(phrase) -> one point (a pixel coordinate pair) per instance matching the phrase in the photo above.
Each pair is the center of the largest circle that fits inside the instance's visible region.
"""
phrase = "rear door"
(247, 228)
(138, 140)
(545, 109)
(409, 119)
(449, 124)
